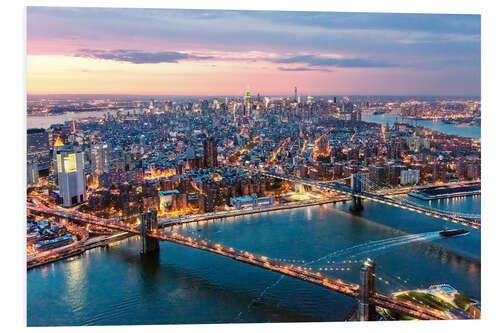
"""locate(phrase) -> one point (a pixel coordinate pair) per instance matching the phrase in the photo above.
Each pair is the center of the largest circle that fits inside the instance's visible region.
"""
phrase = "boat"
(453, 232)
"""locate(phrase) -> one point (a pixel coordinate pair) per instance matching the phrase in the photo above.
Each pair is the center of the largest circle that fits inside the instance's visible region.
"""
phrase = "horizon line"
(262, 95)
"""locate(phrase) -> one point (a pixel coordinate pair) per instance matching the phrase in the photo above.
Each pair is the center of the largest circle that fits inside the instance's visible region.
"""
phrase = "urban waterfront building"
(410, 176)
(71, 177)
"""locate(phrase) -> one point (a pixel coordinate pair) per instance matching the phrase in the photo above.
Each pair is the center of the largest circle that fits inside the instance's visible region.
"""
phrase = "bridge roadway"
(337, 187)
(337, 285)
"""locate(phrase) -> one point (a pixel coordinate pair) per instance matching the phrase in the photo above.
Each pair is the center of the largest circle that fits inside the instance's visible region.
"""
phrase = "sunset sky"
(200, 52)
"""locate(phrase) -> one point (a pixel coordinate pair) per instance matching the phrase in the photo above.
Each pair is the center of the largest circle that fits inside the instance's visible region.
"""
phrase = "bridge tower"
(149, 223)
(356, 187)
(366, 311)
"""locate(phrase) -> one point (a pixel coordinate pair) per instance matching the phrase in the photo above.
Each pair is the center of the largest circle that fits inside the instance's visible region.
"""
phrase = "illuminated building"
(58, 145)
(57, 131)
(99, 158)
(252, 201)
(128, 198)
(32, 172)
(356, 115)
(166, 198)
(70, 175)
(247, 101)
(410, 176)
(38, 147)
(150, 197)
(323, 145)
(210, 153)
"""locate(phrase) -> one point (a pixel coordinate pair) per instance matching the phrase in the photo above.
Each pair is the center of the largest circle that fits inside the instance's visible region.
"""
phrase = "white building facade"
(71, 176)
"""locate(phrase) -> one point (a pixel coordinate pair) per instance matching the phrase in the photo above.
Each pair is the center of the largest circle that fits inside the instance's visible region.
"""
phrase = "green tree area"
(421, 299)
(427, 300)
(243, 150)
(323, 158)
(115, 202)
(84, 208)
(398, 315)
(274, 185)
(462, 301)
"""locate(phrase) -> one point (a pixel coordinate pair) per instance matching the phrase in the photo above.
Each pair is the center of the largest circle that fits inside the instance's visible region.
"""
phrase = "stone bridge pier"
(149, 223)
(366, 311)
(356, 186)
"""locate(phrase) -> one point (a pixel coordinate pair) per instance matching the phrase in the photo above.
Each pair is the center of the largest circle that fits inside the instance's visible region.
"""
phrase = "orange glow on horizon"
(63, 74)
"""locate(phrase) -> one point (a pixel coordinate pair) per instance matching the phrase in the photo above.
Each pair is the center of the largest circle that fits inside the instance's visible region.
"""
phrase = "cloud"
(138, 56)
(303, 69)
(316, 61)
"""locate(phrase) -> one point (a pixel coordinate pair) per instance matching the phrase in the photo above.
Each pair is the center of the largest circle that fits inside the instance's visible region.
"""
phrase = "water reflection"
(182, 285)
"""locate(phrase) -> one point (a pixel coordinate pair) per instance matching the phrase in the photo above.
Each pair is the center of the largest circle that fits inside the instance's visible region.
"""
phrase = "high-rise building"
(58, 145)
(99, 158)
(210, 153)
(38, 147)
(356, 115)
(295, 95)
(38, 140)
(129, 201)
(58, 132)
(32, 172)
(71, 178)
(410, 176)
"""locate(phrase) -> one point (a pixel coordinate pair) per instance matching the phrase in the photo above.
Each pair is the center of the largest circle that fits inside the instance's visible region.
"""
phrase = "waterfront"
(384, 119)
(48, 120)
(184, 285)
(435, 125)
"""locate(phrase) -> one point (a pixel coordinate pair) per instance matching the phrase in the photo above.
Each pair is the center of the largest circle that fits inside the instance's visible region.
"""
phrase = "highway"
(231, 213)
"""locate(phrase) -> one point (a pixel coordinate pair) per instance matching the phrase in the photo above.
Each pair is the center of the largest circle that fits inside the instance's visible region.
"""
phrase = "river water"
(435, 125)
(115, 285)
(47, 121)
(387, 118)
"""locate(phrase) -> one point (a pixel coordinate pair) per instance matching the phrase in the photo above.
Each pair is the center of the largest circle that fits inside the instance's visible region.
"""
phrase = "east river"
(469, 131)
(115, 285)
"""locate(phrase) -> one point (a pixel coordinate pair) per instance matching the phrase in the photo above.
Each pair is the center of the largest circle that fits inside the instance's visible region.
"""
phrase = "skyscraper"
(58, 145)
(32, 172)
(71, 178)
(210, 153)
(38, 147)
(247, 105)
(99, 158)
(295, 97)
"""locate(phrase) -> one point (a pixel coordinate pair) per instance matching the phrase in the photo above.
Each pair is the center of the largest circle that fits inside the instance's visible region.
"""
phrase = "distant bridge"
(357, 193)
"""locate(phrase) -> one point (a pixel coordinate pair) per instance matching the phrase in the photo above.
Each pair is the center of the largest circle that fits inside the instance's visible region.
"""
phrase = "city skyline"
(228, 166)
(219, 52)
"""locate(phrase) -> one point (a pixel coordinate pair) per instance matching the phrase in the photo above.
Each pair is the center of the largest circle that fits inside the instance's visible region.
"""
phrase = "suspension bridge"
(364, 292)
(363, 188)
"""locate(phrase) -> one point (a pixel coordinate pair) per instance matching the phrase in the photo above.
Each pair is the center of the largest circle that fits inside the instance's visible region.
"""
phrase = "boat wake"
(356, 251)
